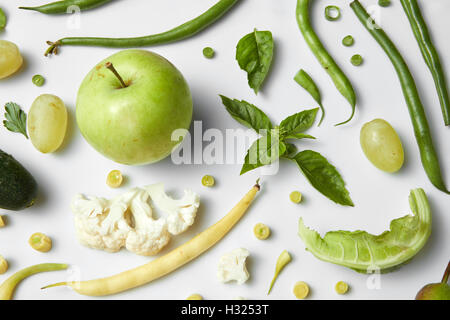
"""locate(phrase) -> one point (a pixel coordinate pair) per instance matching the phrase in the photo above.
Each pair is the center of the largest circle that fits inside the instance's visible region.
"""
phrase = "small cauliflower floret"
(232, 266)
(127, 220)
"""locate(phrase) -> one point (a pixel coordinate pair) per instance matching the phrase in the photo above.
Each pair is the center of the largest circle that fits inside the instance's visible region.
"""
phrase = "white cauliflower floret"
(232, 266)
(127, 221)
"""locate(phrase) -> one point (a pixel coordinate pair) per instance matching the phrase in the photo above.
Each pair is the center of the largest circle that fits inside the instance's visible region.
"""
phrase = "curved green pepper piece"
(365, 252)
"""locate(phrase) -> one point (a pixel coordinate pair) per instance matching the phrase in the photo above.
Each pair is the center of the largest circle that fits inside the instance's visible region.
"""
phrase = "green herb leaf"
(363, 252)
(254, 54)
(305, 80)
(299, 122)
(323, 176)
(247, 114)
(299, 136)
(291, 150)
(264, 151)
(2, 20)
(16, 119)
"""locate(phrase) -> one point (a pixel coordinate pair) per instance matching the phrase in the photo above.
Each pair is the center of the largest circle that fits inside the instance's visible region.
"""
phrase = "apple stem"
(110, 66)
(446, 274)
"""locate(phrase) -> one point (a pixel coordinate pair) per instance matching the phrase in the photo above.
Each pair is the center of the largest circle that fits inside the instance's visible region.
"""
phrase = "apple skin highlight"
(134, 125)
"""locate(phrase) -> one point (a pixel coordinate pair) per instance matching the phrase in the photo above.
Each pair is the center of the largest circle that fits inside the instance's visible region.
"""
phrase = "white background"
(379, 197)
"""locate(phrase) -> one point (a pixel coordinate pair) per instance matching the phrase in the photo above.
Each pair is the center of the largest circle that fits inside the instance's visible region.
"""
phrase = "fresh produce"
(128, 220)
(130, 104)
(40, 242)
(332, 13)
(341, 287)
(208, 53)
(436, 291)
(61, 7)
(114, 179)
(419, 120)
(3, 265)
(301, 290)
(208, 181)
(181, 32)
(283, 260)
(348, 41)
(169, 262)
(47, 123)
(18, 189)
(382, 145)
(254, 54)
(340, 80)
(430, 54)
(305, 80)
(232, 267)
(357, 60)
(16, 119)
(261, 231)
(2, 222)
(38, 80)
(2, 19)
(10, 59)
(195, 296)
(296, 197)
(8, 287)
(384, 3)
(364, 252)
(274, 144)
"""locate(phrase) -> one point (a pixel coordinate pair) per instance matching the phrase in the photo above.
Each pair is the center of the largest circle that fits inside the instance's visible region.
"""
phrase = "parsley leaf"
(16, 119)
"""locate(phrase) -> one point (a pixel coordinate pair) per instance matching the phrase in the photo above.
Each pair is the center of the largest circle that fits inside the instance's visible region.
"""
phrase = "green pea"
(348, 41)
(38, 80)
(357, 60)
(332, 13)
(384, 3)
(208, 52)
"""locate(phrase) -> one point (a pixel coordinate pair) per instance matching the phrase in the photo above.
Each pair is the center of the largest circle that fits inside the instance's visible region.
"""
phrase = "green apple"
(129, 105)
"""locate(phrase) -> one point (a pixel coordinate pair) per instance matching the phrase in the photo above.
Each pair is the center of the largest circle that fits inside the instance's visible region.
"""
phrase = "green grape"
(382, 145)
(47, 123)
(10, 58)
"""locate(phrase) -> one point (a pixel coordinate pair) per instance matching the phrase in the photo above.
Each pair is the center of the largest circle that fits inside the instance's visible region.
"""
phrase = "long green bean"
(430, 54)
(183, 31)
(60, 7)
(422, 132)
(340, 80)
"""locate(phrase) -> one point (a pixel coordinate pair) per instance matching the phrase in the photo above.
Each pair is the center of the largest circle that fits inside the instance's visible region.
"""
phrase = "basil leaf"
(247, 114)
(299, 136)
(16, 119)
(305, 80)
(264, 151)
(291, 150)
(2, 20)
(298, 122)
(323, 176)
(254, 54)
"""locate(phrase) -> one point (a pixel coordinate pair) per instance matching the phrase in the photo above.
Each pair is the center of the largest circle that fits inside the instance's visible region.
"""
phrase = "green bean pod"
(181, 32)
(60, 7)
(340, 80)
(422, 132)
(430, 54)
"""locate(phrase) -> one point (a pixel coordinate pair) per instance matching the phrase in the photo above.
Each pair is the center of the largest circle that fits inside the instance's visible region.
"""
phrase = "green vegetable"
(181, 32)
(340, 80)
(364, 252)
(38, 80)
(273, 145)
(305, 80)
(16, 119)
(208, 52)
(61, 7)
(18, 189)
(422, 132)
(332, 13)
(341, 287)
(283, 260)
(8, 287)
(348, 41)
(2, 19)
(357, 60)
(296, 197)
(430, 54)
(254, 54)
(384, 3)
(208, 181)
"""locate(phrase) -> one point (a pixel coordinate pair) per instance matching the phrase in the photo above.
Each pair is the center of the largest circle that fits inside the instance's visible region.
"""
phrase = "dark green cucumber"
(18, 189)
